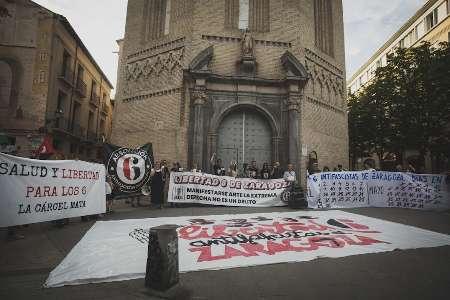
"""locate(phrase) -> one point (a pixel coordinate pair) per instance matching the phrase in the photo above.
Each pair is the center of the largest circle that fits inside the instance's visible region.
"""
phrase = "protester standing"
(244, 173)
(109, 195)
(265, 171)
(326, 169)
(175, 167)
(166, 179)
(253, 170)
(218, 169)
(157, 185)
(276, 171)
(340, 168)
(290, 175)
(195, 169)
(232, 170)
(410, 168)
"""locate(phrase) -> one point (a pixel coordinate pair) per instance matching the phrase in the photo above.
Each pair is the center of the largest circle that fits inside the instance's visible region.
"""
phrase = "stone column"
(199, 100)
(162, 261)
(212, 148)
(293, 128)
(275, 149)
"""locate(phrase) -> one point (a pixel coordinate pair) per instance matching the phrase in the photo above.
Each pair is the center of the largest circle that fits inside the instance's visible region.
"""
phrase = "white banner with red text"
(35, 191)
(117, 250)
(378, 189)
(187, 187)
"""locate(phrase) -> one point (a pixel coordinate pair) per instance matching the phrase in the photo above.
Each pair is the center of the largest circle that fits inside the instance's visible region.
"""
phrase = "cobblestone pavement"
(408, 274)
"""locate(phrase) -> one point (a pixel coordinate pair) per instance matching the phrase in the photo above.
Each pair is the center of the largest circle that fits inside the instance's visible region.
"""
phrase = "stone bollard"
(297, 198)
(162, 259)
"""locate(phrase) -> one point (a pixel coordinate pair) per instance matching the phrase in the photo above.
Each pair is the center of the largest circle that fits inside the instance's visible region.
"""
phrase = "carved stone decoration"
(152, 73)
(199, 97)
(201, 62)
(166, 62)
(247, 43)
(321, 78)
(248, 62)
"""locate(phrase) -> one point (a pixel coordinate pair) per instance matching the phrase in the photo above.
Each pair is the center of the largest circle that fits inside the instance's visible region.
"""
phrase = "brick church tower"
(247, 80)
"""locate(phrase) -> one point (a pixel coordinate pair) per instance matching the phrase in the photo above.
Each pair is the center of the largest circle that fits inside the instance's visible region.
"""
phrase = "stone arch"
(273, 138)
(13, 76)
(215, 123)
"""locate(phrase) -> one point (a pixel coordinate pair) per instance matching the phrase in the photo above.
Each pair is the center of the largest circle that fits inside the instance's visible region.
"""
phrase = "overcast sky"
(368, 24)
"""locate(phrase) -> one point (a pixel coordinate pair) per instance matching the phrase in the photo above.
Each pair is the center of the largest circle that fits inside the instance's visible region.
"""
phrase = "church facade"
(239, 80)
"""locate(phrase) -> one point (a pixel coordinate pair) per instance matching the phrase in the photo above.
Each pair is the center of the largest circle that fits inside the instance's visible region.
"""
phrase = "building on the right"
(430, 23)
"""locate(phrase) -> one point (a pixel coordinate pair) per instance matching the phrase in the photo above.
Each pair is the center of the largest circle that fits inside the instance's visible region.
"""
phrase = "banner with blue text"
(378, 189)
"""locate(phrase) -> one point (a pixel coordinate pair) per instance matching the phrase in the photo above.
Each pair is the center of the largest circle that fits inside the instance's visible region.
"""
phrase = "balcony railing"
(95, 99)
(61, 124)
(66, 76)
(81, 88)
(105, 108)
(73, 128)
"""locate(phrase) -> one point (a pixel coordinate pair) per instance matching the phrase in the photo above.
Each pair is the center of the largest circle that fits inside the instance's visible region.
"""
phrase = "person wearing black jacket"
(265, 171)
(276, 172)
(253, 170)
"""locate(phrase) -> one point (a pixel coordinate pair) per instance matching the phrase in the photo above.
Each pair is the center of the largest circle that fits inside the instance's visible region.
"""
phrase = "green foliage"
(406, 105)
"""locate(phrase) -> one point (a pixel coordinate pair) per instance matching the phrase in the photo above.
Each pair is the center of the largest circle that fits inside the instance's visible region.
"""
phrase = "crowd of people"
(251, 170)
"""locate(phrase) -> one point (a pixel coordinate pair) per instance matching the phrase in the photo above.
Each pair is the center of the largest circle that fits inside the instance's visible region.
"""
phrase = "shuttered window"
(324, 31)
(157, 16)
(247, 14)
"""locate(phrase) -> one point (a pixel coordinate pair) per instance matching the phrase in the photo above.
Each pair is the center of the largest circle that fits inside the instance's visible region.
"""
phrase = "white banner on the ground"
(186, 187)
(33, 191)
(378, 189)
(117, 250)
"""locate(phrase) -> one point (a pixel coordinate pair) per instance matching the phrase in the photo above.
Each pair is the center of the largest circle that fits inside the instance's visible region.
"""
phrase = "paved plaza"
(405, 274)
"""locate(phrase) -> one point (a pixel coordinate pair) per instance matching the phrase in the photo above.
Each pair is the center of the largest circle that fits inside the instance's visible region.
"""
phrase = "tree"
(405, 106)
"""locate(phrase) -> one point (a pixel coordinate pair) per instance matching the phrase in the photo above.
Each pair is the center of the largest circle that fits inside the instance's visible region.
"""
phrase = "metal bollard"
(162, 258)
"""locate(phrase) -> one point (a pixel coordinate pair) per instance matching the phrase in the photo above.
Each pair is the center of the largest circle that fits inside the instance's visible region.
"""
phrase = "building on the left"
(49, 85)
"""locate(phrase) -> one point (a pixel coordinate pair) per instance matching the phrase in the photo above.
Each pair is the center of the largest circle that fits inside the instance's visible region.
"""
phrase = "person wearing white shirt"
(290, 175)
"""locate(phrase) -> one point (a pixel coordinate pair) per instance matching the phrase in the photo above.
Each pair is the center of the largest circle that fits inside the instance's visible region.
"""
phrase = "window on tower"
(323, 19)
(247, 14)
(243, 14)
(157, 16)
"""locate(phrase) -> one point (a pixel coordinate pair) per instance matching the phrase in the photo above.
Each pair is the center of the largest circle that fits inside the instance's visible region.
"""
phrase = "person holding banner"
(265, 171)
(253, 170)
(109, 194)
(232, 170)
(290, 175)
(218, 169)
(157, 185)
(195, 168)
(276, 171)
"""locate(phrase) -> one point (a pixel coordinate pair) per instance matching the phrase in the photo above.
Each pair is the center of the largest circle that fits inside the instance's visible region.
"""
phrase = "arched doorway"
(244, 135)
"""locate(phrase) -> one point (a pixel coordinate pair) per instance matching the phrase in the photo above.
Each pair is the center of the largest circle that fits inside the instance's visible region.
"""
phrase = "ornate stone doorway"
(244, 135)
